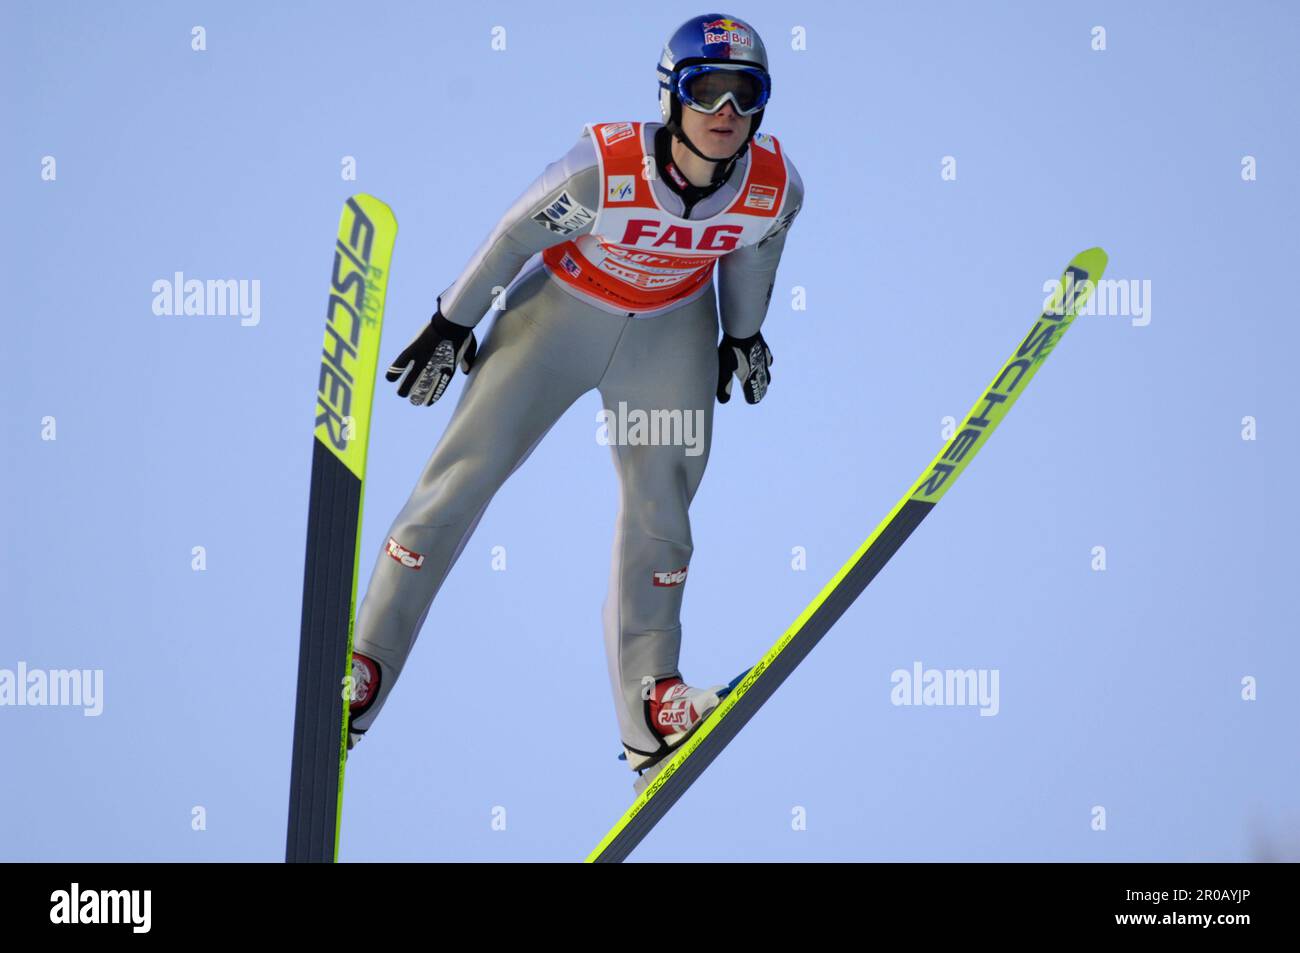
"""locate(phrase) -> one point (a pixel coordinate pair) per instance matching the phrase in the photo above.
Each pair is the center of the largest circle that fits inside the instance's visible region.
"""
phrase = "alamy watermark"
(1111, 297)
(56, 687)
(946, 687)
(215, 297)
(78, 905)
(657, 427)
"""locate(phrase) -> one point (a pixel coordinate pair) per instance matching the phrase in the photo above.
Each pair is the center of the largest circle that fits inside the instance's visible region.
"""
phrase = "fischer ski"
(676, 773)
(345, 390)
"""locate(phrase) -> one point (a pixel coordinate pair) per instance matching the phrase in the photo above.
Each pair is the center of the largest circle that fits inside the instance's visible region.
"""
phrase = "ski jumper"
(607, 286)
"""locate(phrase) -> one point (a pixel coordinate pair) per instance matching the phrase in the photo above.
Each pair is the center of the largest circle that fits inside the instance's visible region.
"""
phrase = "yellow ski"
(676, 773)
(344, 391)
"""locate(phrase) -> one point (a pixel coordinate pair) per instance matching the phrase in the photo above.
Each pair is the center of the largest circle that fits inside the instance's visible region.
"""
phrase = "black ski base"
(333, 513)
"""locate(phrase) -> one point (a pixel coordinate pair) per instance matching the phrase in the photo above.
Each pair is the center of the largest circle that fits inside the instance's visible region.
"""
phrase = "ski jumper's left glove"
(429, 362)
(747, 359)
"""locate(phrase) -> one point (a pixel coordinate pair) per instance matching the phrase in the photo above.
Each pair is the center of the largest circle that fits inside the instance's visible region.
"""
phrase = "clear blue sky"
(1119, 689)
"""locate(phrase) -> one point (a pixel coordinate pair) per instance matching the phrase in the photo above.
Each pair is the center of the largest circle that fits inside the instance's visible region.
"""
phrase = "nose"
(726, 112)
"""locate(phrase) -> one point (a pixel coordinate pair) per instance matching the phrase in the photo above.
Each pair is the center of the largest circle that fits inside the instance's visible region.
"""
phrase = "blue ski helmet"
(710, 60)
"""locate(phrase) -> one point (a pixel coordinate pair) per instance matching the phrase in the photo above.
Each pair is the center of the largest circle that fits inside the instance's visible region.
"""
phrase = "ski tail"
(731, 715)
(345, 392)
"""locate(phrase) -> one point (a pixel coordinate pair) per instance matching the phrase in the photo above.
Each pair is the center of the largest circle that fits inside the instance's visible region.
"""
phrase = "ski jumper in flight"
(607, 263)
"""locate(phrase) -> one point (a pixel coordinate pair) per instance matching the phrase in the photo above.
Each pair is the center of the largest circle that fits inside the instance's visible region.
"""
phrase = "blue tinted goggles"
(706, 87)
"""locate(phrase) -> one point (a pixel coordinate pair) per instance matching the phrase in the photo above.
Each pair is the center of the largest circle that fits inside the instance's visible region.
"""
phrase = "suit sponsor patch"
(622, 188)
(673, 577)
(407, 557)
(762, 197)
(565, 215)
(616, 132)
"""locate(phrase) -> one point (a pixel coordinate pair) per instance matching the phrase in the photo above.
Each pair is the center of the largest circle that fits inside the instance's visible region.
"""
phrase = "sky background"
(1120, 689)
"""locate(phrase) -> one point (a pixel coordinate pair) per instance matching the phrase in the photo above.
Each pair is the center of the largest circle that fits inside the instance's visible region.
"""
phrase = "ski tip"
(1093, 261)
(377, 209)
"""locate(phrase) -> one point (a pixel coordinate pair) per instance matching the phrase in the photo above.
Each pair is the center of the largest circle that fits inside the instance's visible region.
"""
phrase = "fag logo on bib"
(674, 578)
(407, 557)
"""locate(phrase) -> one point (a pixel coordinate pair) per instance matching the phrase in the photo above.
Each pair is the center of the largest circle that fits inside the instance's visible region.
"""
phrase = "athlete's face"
(719, 135)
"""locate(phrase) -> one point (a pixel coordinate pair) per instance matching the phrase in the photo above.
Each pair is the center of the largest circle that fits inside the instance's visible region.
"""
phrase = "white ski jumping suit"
(608, 279)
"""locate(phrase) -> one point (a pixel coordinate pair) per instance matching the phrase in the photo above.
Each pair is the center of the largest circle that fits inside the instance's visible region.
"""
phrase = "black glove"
(748, 359)
(429, 362)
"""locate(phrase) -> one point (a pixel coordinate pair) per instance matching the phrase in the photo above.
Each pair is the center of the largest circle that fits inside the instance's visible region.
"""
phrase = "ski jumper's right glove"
(429, 362)
(747, 359)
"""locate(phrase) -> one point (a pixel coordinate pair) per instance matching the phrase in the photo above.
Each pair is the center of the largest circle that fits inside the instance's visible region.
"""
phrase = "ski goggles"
(706, 87)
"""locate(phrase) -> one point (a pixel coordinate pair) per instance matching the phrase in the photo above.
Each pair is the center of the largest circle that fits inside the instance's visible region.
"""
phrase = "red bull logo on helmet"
(726, 31)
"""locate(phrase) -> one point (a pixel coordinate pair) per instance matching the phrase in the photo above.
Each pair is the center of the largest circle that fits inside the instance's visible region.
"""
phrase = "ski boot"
(365, 689)
(675, 711)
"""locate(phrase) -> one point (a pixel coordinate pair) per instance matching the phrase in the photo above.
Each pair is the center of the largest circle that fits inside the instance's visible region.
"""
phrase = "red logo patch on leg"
(407, 557)
(674, 577)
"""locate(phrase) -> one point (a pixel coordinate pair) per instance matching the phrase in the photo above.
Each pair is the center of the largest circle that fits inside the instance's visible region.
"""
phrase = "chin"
(724, 151)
